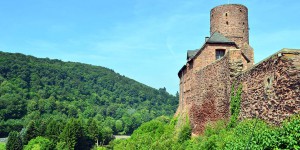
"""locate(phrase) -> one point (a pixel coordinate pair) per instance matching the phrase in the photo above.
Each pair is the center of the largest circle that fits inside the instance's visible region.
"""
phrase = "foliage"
(160, 135)
(235, 104)
(10, 125)
(156, 134)
(2, 146)
(93, 130)
(186, 132)
(74, 136)
(38, 89)
(14, 141)
(54, 129)
(39, 143)
(31, 132)
(106, 135)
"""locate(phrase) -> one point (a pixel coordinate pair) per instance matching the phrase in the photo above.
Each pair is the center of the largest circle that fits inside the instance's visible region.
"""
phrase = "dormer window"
(220, 53)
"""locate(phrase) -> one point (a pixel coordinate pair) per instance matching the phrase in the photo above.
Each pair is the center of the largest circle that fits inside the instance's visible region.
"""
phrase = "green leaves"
(39, 143)
(33, 88)
(235, 105)
(14, 141)
(157, 134)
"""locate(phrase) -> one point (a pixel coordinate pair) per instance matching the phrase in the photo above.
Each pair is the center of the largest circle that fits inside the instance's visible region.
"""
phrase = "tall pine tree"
(14, 141)
(74, 136)
(31, 132)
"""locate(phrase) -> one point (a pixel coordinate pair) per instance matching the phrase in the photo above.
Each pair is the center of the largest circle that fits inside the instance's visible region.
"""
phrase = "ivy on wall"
(235, 104)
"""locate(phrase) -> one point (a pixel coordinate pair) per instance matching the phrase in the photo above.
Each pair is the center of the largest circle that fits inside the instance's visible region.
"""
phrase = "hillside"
(40, 88)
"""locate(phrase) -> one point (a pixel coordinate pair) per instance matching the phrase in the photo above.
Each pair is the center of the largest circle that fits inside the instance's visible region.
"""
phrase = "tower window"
(220, 53)
(226, 14)
(227, 22)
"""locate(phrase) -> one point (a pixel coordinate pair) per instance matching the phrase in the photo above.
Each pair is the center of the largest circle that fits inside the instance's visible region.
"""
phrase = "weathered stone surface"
(270, 88)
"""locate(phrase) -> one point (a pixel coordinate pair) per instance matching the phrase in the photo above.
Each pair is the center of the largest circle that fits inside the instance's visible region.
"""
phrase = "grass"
(2, 146)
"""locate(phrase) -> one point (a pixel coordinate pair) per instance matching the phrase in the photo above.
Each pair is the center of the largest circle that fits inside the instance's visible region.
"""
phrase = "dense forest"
(39, 92)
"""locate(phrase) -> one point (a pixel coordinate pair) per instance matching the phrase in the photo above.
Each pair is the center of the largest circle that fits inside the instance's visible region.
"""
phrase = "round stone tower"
(231, 20)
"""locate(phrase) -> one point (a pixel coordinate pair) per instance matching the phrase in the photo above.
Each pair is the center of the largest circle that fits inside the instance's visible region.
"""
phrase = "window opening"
(220, 53)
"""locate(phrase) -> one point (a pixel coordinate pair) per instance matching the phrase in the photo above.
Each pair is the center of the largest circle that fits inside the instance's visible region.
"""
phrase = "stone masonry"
(270, 88)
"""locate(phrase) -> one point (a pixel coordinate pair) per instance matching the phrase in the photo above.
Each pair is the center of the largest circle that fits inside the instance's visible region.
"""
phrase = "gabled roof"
(191, 53)
(217, 38)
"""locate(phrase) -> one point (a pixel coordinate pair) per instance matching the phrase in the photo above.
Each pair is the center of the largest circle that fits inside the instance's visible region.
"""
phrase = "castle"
(270, 89)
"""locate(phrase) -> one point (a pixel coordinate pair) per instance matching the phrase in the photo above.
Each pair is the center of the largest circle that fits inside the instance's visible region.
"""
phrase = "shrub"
(39, 143)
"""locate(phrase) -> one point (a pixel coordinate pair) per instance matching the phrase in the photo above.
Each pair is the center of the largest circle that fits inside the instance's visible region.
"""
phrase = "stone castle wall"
(271, 89)
(209, 100)
(208, 55)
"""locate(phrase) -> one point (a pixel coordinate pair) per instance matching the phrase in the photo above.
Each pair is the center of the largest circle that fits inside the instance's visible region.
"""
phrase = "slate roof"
(217, 38)
(191, 53)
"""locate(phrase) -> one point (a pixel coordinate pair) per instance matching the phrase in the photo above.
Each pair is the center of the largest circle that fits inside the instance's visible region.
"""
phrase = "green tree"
(107, 135)
(54, 128)
(14, 141)
(74, 136)
(119, 125)
(93, 130)
(31, 132)
(39, 143)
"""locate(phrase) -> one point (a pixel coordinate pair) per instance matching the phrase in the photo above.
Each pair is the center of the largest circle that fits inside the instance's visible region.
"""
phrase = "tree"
(54, 128)
(39, 143)
(74, 136)
(107, 135)
(14, 141)
(119, 126)
(93, 130)
(31, 132)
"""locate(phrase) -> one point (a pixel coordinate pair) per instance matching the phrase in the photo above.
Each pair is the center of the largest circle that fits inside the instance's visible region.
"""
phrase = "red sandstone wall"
(210, 95)
(188, 76)
(231, 21)
(271, 89)
(205, 90)
(208, 55)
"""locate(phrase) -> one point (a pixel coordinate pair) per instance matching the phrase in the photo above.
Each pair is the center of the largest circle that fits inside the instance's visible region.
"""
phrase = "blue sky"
(145, 40)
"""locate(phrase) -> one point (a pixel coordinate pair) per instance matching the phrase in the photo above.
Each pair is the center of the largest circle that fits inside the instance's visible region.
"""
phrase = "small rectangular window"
(220, 53)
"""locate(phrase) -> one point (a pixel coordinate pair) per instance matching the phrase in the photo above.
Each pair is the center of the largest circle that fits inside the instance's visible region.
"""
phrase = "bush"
(247, 134)
(39, 143)
(2, 145)
(185, 133)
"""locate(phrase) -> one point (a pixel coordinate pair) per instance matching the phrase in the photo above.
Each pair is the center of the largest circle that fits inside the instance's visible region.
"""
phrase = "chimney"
(206, 38)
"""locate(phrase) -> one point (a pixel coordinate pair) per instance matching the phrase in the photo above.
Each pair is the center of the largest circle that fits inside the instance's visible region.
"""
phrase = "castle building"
(270, 89)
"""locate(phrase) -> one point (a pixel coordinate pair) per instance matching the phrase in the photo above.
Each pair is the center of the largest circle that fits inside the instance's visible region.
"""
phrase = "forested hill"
(40, 88)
